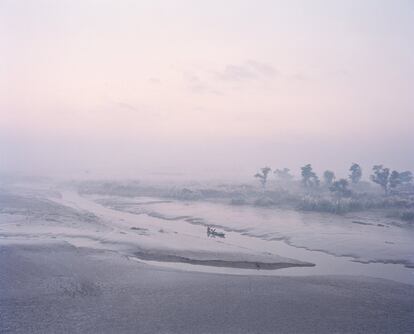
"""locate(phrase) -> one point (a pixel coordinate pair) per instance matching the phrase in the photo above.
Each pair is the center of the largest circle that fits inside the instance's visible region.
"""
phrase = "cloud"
(142, 110)
(206, 82)
(235, 73)
(198, 85)
(263, 68)
(154, 80)
(249, 70)
(195, 84)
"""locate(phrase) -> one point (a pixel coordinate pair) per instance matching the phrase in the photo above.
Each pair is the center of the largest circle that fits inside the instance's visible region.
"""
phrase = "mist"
(236, 166)
(235, 158)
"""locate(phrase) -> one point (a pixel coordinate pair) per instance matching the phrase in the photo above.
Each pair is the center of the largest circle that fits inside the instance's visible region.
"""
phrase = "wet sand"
(58, 288)
(255, 238)
(226, 260)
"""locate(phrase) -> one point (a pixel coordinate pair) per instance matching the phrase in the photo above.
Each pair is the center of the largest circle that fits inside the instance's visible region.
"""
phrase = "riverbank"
(56, 288)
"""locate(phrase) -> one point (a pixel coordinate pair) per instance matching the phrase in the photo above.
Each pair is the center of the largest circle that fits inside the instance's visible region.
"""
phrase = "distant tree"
(283, 174)
(309, 178)
(356, 173)
(381, 176)
(398, 179)
(394, 180)
(262, 175)
(406, 177)
(340, 190)
(328, 177)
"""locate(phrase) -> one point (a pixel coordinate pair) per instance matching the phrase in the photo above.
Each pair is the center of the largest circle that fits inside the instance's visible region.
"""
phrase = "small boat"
(219, 234)
(211, 232)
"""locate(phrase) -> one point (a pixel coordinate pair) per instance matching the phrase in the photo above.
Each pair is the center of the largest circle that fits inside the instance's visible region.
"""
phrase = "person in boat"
(210, 230)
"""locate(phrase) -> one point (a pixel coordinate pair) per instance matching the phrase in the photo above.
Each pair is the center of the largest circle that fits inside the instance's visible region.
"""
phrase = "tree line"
(388, 180)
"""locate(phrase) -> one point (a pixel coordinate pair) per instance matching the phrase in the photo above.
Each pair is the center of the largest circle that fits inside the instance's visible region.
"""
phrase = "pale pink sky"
(175, 83)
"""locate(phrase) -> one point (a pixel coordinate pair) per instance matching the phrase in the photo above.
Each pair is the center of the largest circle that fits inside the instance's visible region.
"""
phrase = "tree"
(398, 179)
(283, 174)
(309, 178)
(381, 176)
(406, 177)
(394, 180)
(356, 173)
(328, 177)
(262, 175)
(340, 190)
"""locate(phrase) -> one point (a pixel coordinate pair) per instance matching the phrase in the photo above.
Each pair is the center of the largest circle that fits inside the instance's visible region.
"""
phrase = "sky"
(205, 88)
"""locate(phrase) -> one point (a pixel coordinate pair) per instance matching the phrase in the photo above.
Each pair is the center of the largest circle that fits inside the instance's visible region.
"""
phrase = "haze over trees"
(340, 195)
(309, 177)
(398, 179)
(381, 176)
(328, 177)
(356, 173)
(340, 190)
(390, 180)
(283, 174)
(262, 175)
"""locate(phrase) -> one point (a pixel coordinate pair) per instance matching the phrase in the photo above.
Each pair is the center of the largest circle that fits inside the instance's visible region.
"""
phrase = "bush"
(317, 204)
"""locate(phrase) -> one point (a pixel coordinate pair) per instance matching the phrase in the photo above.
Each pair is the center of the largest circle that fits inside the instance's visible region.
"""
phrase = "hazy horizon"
(206, 89)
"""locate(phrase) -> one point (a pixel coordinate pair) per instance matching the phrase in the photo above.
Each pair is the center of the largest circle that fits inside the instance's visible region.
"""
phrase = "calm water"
(333, 243)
